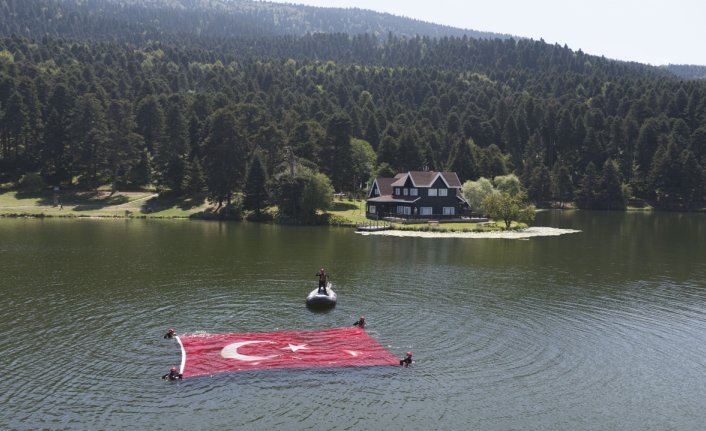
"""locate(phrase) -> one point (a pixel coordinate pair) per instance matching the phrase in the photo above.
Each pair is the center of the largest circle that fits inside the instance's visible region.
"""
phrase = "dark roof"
(427, 178)
(385, 185)
(419, 179)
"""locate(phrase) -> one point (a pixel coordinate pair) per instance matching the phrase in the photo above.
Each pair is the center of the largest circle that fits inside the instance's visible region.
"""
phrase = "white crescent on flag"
(231, 351)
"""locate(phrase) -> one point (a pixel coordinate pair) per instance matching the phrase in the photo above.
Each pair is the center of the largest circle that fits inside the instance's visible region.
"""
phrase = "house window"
(449, 210)
(397, 190)
(425, 211)
(443, 192)
(406, 192)
(432, 192)
(371, 209)
(413, 192)
(404, 210)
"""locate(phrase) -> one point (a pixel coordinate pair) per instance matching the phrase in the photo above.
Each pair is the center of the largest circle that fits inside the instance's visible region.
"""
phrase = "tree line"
(143, 20)
(191, 120)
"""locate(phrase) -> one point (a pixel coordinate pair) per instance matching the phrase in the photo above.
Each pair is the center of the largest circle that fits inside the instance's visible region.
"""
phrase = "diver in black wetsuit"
(323, 280)
(407, 361)
(173, 375)
(170, 334)
(360, 322)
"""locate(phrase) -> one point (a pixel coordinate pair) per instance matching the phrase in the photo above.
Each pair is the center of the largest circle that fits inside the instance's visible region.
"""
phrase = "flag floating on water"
(206, 354)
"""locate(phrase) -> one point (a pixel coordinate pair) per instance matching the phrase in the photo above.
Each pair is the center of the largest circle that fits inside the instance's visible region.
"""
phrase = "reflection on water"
(604, 329)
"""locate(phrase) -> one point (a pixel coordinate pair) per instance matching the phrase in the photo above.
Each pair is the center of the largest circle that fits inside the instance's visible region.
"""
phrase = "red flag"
(205, 354)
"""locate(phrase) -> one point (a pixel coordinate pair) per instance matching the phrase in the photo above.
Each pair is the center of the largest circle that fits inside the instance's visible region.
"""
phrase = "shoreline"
(530, 232)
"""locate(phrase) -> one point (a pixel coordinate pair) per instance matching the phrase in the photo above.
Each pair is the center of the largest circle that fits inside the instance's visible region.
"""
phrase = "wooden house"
(417, 195)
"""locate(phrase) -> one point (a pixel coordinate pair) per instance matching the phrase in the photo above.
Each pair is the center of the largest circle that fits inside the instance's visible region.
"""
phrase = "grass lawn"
(348, 211)
(96, 204)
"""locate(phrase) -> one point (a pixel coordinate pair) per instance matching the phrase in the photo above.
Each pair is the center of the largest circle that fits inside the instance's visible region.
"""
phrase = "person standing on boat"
(323, 280)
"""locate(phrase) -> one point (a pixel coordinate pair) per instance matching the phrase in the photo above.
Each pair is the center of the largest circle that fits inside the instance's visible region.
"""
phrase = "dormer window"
(443, 192)
(406, 192)
(413, 192)
(397, 190)
(432, 192)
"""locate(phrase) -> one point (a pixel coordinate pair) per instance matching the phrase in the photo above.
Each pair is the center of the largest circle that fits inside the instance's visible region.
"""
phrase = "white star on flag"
(295, 347)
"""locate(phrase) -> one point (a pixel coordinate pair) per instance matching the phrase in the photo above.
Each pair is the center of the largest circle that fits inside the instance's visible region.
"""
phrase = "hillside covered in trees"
(142, 20)
(217, 114)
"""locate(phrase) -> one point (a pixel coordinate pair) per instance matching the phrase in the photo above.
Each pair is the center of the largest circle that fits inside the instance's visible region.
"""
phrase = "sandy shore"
(520, 234)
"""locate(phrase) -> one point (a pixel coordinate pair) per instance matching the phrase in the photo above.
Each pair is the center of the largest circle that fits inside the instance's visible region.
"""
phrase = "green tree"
(223, 157)
(306, 140)
(509, 184)
(502, 206)
(409, 154)
(171, 154)
(363, 162)
(123, 143)
(692, 179)
(492, 162)
(665, 175)
(194, 180)
(55, 153)
(610, 190)
(562, 186)
(255, 190)
(540, 182)
(16, 125)
(150, 122)
(337, 151)
(301, 193)
(88, 131)
(475, 193)
(463, 160)
(286, 190)
(317, 195)
(387, 152)
(586, 196)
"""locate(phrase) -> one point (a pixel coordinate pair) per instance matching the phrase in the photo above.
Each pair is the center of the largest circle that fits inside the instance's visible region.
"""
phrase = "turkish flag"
(206, 354)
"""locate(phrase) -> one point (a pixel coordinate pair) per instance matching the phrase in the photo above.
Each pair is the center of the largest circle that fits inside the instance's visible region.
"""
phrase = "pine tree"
(410, 156)
(223, 157)
(562, 186)
(337, 152)
(463, 161)
(586, 194)
(610, 190)
(255, 190)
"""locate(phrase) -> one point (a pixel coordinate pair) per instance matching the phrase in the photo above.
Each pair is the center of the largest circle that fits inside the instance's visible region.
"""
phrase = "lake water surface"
(599, 330)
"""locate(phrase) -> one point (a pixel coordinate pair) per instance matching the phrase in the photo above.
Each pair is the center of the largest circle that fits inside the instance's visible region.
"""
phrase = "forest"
(212, 116)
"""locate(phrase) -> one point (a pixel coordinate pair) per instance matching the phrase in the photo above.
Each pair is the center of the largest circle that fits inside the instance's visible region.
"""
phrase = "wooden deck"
(373, 226)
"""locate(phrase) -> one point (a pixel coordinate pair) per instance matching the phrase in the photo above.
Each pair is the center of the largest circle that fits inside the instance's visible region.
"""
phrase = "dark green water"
(599, 330)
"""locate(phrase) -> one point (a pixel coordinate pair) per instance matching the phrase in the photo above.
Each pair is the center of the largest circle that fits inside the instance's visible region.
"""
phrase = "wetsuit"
(172, 375)
(170, 334)
(360, 323)
(407, 361)
(322, 281)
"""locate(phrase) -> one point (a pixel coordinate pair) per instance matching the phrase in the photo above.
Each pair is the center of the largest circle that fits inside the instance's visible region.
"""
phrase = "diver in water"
(173, 375)
(170, 334)
(360, 322)
(407, 361)
(323, 280)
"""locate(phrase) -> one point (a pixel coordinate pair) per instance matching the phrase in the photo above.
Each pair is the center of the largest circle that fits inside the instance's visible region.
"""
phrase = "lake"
(603, 329)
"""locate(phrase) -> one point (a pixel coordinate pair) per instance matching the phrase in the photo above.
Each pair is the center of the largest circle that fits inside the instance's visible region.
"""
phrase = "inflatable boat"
(316, 299)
